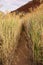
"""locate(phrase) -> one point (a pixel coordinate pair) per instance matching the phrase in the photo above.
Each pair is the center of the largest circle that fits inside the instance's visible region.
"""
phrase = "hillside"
(27, 7)
(21, 37)
(30, 45)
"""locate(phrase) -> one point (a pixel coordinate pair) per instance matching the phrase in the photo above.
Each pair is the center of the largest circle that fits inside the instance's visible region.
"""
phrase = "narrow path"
(24, 52)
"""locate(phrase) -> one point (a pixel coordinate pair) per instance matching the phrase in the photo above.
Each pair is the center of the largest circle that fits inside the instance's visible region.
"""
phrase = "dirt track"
(24, 52)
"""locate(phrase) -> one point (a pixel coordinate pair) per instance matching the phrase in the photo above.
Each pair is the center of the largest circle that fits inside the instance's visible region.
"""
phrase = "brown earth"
(24, 51)
(27, 7)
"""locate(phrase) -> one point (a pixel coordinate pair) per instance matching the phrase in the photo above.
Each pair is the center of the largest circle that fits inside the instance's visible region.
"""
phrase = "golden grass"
(10, 27)
(35, 29)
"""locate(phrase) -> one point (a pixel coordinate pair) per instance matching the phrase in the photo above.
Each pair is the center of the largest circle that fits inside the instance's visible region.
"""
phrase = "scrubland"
(10, 29)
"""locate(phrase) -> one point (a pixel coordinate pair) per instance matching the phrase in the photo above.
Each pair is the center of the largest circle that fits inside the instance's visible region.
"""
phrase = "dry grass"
(10, 27)
(34, 25)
